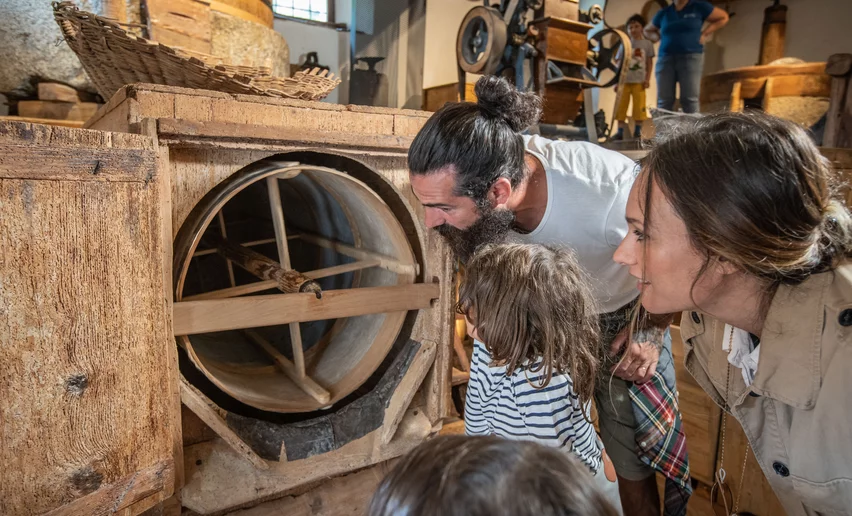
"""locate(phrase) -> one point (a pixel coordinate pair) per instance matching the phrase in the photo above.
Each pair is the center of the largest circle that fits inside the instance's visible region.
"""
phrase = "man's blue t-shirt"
(680, 31)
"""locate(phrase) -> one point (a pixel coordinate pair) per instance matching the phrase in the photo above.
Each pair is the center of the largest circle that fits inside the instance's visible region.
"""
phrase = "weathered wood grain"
(192, 317)
(84, 342)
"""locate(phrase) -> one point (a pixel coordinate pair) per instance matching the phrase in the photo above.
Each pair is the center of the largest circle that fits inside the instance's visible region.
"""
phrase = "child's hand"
(640, 360)
(646, 84)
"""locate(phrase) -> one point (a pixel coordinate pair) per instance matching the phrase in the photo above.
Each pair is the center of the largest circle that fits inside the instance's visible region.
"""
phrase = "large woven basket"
(113, 58)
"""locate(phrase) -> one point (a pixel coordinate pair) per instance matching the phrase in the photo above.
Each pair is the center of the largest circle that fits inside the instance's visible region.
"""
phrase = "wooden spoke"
(260, 286)
(245, 244)
(203, 408)
(224, 233)
(385, 262)
(284, 259)
(192, 317)
(311, 388)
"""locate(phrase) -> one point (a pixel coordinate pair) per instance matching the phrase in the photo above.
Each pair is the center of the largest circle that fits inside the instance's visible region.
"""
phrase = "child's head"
(635, 24)
(473, 476)
(529, 302)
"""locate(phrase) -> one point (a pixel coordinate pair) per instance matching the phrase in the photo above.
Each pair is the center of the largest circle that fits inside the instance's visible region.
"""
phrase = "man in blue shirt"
(678, 27)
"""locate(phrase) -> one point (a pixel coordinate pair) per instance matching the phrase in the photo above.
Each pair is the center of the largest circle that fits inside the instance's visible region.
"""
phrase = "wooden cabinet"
(89, 410)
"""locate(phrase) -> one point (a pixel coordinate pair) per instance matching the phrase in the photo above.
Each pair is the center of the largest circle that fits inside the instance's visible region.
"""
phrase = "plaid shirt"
(660, 439)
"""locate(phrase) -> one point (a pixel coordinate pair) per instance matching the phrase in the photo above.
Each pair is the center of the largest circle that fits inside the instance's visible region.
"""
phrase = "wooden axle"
(288, 281)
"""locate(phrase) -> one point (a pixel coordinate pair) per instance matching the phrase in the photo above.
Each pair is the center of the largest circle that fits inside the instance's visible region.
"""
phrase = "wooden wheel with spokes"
(292, 282)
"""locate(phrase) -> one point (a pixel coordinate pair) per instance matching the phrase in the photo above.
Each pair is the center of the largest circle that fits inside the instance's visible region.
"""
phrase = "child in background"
(536, 336)
(638, 79)
(487, 476)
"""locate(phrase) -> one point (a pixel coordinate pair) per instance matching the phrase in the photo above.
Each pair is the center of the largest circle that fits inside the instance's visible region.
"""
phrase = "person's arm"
(718, 18)
(652, 32)
(649, 65)
(643, 352)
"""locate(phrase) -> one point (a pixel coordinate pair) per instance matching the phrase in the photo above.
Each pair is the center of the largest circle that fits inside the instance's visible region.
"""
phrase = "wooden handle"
(288, 281)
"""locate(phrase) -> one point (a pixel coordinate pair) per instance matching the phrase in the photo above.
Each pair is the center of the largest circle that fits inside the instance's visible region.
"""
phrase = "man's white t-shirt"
(587, 190)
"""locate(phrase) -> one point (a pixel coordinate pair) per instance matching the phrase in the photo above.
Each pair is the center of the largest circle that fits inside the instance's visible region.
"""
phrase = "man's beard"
(492, 227)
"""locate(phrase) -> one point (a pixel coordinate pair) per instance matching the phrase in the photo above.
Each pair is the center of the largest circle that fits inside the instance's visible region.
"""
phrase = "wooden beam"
(201, 406)
(57, 92)
(260, 286)
(105, 164)
(244, 244)
(385, 262)
(224, 233)
(120, 495)
(311, 388)
(169, 128)
(284, 259)
(288, 281)
(80, 111)
(401, 398)
(192, 317)
(736, 100)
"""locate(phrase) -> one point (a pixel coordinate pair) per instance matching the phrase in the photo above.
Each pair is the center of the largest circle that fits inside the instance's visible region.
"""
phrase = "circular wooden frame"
(272, 389)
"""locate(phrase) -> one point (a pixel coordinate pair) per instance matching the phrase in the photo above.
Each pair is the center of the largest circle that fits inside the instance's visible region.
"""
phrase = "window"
(315, 10)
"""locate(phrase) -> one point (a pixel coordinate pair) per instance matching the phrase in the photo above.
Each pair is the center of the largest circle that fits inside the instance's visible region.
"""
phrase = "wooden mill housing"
(260, 260)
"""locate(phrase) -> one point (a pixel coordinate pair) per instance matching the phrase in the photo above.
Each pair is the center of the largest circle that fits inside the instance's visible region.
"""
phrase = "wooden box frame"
(189, 141)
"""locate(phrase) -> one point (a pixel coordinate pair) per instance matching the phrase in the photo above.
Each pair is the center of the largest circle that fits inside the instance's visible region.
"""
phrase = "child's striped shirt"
(509, 406)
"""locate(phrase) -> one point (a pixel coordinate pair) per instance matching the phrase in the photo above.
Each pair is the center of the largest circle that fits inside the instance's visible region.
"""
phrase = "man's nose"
(434, 218)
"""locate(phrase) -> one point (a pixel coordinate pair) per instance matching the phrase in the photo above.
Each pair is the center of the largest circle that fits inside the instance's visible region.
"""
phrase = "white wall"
(331, 46)
(443, 18)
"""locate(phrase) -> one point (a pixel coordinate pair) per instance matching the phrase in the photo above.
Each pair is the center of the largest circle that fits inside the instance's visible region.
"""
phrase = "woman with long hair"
(735, 220)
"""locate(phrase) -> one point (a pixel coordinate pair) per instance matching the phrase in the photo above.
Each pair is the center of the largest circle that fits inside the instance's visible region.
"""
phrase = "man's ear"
(500, 192)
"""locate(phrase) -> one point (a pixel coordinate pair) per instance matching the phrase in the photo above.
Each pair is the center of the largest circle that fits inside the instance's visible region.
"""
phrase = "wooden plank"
(19, 161)
(201, 406)
(170, 388)
(57, 92)
(253, 243)
(184, 24)
(347, 494)
(172, 128)
(77, 419)
(813, 85)
(80, 111)
(307, 384)
(260, 286)
(191, 317)
(47, 121)
(402, 396)
(768, 92)
(385, 262)
(736, 100)
(119, 495)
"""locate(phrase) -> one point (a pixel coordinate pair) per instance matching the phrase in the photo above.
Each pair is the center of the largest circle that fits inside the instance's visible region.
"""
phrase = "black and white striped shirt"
(508, 405)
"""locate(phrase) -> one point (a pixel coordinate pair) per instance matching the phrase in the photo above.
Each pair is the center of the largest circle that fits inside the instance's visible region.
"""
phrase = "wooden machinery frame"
(81, 203)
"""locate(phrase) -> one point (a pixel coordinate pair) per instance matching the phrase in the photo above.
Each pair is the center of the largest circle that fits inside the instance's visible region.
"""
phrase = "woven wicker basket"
(114, 57)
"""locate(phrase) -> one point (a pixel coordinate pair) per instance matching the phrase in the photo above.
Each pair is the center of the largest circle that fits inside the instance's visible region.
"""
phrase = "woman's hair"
(638, 18)
(488, 476)
(753, 190)
(531, 303)
(481, 140)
